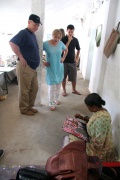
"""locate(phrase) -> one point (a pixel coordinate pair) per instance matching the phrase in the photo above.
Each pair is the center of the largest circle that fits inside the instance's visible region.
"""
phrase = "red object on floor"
(111, 164)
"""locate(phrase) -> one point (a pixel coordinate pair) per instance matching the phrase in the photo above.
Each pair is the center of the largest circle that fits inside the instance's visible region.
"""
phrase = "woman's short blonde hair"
(57, 32)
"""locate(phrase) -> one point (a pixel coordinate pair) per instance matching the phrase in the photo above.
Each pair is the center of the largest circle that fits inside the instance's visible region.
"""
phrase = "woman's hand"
(62, 60)
(47, 64)
(86, 118)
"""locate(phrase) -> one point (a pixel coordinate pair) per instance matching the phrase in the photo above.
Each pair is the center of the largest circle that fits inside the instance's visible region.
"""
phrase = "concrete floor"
(32, 140)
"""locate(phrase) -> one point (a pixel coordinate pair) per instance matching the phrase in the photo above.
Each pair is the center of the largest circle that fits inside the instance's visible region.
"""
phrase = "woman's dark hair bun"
(94, 99)
(102, 102)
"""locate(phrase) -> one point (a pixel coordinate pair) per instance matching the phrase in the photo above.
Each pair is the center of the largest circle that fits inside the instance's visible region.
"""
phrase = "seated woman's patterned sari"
(100, 132)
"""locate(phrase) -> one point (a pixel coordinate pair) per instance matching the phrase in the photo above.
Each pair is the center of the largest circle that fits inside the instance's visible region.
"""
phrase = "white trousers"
(53, 93)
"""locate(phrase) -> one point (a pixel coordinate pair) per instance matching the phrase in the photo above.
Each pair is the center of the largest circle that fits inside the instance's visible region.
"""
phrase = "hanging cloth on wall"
(98, 35)
(112, 42)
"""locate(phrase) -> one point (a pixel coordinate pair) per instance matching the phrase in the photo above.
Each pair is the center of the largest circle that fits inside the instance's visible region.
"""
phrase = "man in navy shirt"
(70, 69)
(24, 45)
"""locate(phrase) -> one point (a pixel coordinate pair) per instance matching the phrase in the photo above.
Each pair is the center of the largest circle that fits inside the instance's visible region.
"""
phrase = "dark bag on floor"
(31, 173)
(72, 163)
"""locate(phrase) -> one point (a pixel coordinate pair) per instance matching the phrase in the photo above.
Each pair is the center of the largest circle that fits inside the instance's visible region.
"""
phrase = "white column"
(38, 8)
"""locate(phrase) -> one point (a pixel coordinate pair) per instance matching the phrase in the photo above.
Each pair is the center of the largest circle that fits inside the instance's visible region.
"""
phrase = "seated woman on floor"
(99, 129)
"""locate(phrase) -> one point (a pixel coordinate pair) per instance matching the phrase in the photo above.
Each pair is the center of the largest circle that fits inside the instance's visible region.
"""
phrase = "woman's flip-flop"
(76, 92)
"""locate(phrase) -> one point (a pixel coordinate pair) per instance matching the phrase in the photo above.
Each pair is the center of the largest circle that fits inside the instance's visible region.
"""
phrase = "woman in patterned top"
(99, 129)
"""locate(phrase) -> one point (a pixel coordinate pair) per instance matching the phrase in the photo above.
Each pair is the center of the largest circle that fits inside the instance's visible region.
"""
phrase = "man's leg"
(64, 88)
(73, 86)
(73, 77)
(74, 91)
(24, 76)
(64, 80)
(33, 92)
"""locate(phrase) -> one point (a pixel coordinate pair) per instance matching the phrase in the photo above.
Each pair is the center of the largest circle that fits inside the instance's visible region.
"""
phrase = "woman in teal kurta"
(54, 66)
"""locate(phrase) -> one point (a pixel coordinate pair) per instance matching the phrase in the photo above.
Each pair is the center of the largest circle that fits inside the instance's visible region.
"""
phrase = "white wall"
(105, 73)
(38, 7)
(111, 86)
(85, 46)
(98, 69)
(111, 93)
